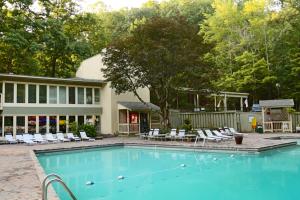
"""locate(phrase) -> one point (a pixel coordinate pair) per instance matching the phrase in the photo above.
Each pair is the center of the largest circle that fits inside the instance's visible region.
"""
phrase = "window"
(90, 120)
(72, 119)
(97, 95)
(20, 124)
(42, 124)
(31, 93)
(20, 93)
(89, 95)
(62, 95)
(9, 92)
(71, 95)
(80, 120)
(43, 94)
(62, 124)
(98, 124)
(53, 94)
(53, 124)
(31, 124)
(80, 95)
(8, 125)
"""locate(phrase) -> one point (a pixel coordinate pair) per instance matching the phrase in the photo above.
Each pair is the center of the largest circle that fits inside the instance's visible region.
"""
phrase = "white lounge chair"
(181, 134)
(217, 133)
(233, 131)
(210, 134)
(9, 139)
(71, 137)
(19, 138)
(61, 137)
(201, 135)
(39, 138)
(156, 135)
(145, 135)
(172, 134)
(50, 138)
(85, 137)
(227, 131)
(28, 139)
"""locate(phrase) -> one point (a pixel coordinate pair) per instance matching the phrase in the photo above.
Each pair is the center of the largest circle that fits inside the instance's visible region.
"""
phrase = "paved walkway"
(19, 175)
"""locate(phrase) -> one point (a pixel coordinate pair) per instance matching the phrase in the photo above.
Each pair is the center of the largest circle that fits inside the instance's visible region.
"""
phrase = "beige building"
(33, 104)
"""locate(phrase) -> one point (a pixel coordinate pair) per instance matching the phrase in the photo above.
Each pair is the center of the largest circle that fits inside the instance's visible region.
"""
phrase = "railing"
(58, 179)
(129, 128)
(278, 126)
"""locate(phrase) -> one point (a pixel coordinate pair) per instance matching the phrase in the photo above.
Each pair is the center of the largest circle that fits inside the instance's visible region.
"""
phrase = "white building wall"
(91, 69)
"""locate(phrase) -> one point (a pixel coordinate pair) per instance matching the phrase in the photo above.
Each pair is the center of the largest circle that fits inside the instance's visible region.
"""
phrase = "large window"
(62, 124)
(53, 94)
(43, 94)
(80, 95)
(71, 95)
(80, 120)
(20, 93)
(72, 119)
(62, 95)
(89, 95)
(8, 125)
(31, 124)
(20, 124)
(9, 92)
(31, 93)
(97, 95)
(42, 124)
(53, 124)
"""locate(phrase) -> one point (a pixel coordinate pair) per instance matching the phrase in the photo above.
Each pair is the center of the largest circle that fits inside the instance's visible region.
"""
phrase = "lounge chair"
(211, 135)
(61, 137)
(227, 131)
(39, 138)
(145, 135)
(9, 139)
(71, 137)
(85, 137)
(156, 135)
(233, 131)
(181, 135)
(201, 135)
(217, 133)
(19, 138)
(28, 139)
(50, 138)
(172, 134)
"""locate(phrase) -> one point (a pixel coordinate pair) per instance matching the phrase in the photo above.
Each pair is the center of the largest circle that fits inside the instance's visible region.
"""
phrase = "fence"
(295, 120)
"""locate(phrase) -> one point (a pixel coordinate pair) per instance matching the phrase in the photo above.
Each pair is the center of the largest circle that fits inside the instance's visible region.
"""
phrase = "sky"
(114, 4)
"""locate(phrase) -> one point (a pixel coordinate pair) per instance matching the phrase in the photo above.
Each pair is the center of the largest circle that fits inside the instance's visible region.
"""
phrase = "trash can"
(259, 129)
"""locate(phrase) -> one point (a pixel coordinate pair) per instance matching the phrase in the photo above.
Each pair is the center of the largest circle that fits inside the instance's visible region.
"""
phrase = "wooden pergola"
(275, 115)
(225, 95)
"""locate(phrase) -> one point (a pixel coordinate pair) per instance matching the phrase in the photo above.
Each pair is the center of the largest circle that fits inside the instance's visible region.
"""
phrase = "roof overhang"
(137, 106)
(280, 103)
(53, 80)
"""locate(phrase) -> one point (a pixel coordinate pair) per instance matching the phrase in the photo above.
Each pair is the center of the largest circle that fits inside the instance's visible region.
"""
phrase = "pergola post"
(242, 104)
(225, 102)
(128, 121)
(215, 102)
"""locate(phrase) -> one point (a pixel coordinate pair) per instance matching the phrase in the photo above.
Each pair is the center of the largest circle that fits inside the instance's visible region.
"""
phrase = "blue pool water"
(157, 174)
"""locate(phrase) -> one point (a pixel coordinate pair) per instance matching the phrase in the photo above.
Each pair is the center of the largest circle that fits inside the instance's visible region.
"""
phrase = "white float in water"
(120, 177)
(231, 155)
(183, 165)
(215, 159)
(89, 183)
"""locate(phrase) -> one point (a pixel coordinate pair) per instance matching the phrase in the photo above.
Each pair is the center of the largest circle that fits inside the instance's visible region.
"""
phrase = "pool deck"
(20, 173)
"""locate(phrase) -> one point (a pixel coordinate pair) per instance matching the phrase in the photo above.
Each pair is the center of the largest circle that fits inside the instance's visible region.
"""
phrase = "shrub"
(74, 128)
(89, 129)
(187, 126)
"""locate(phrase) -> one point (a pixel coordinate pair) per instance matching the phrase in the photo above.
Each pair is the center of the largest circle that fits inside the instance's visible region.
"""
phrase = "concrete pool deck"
(20, 177)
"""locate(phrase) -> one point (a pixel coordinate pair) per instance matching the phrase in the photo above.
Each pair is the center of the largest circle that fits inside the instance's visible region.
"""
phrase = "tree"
(160, 54)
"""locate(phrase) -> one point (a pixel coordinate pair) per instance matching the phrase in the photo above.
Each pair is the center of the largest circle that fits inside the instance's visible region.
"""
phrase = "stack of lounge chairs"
(37, 138)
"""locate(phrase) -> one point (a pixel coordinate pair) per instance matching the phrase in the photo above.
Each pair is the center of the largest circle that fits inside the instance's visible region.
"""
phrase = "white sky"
(114, 4)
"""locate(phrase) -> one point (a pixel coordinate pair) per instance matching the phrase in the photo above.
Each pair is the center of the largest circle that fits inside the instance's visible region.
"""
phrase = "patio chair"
(201, 135)
(217, 133)
(28, 139)
(181, 135)
(172, 134)
(145, 135)
(85, 137)
(9, 139)
(19, 138)
(71, 137)
(210, 134)
(157, 135)
(39, 138)
(233, 131)
(61, 137)
(50, 138)
(227, 131)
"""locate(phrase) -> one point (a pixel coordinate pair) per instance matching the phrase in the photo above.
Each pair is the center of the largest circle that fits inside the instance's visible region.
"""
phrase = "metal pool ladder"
(58, 179)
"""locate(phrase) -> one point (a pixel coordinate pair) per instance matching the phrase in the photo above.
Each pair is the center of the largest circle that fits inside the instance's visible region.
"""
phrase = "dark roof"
(42, 79)
(139, 106)
(280, 103)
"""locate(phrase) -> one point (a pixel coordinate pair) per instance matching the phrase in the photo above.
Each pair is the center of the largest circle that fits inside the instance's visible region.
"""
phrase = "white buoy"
(89, 183)
(183, 165)
(215, 159)
(120, 177)
(231, 155)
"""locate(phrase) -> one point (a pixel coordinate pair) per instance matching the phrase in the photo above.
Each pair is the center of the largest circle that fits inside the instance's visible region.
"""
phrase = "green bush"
(187, 126)
(89, 129)
(74, 128)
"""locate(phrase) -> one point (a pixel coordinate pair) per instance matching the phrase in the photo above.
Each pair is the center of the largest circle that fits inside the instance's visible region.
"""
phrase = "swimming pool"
(159, 174)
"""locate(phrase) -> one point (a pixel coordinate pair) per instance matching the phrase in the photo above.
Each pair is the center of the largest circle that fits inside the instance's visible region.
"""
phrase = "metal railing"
(58, 179)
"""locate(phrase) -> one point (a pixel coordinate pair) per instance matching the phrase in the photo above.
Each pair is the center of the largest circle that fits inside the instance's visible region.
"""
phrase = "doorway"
(144, 126)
